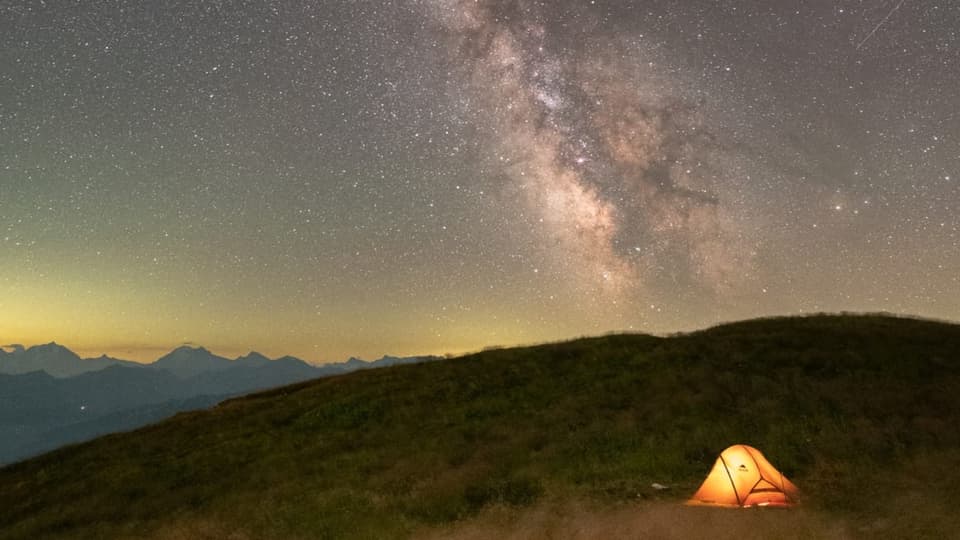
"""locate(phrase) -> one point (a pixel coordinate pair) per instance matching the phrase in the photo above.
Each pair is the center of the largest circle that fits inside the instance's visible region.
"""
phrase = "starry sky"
(362, 177)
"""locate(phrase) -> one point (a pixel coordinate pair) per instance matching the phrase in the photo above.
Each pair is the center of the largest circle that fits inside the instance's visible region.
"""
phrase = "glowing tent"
(742, 477)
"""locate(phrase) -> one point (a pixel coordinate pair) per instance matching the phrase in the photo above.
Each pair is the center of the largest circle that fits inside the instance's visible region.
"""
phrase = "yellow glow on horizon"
(120, 324)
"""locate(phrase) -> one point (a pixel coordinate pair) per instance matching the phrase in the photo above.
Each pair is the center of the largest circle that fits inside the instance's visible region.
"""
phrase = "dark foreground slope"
(862, 412)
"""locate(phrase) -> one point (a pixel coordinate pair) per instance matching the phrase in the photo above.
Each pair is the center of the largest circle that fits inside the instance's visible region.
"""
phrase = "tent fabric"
(742, 477)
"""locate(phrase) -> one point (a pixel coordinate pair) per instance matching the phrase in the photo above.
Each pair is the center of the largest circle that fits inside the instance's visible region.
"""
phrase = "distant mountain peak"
(253, 355)
(186, 361)
(52, 347)
(288, 359)
(253, 358)
(190, 348)
(52, 357)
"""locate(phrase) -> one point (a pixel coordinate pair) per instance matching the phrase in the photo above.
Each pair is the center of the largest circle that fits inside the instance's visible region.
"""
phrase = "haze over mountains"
(49, 396)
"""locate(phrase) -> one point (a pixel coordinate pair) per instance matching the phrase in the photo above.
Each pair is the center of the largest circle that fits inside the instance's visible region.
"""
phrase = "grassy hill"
(862, 412)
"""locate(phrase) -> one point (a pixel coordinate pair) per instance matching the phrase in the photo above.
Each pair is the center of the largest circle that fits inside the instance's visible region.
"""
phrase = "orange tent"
(742, 477)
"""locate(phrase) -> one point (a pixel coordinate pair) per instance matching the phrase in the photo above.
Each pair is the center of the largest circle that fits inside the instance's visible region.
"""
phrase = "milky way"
(426, 176)
(614, 159)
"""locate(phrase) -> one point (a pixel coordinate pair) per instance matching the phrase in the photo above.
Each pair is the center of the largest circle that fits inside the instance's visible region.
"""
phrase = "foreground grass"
(861, 412)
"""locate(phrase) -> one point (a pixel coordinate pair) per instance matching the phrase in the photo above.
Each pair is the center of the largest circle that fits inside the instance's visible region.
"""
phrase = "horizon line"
(163, 351)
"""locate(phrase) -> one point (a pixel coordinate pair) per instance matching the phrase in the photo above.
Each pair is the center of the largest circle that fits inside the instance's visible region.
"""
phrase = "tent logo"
(742, 468)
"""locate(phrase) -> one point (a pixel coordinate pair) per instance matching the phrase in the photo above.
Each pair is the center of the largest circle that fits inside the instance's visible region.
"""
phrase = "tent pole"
(732, 483)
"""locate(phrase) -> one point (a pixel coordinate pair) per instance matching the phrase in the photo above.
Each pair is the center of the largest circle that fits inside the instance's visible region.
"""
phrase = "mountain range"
(49, 396)
(54, 359)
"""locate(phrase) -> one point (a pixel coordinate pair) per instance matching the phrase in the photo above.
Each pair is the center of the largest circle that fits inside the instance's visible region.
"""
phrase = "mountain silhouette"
(188, 361)
(253, 358)
(49, 396)
(54, 359)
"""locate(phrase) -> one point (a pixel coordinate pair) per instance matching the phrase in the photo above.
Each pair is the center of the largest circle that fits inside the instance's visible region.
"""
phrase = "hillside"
(860, 411)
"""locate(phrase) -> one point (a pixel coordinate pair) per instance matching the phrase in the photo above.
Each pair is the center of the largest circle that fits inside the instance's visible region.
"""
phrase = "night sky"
(361, 177)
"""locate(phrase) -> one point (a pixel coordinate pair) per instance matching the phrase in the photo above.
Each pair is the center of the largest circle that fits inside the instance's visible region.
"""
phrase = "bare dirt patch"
(648, 520)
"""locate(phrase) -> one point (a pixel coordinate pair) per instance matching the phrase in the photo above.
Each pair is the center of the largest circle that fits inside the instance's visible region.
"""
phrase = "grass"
(860, 411)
